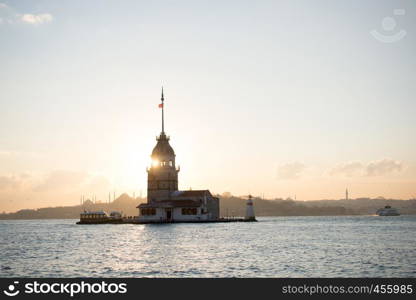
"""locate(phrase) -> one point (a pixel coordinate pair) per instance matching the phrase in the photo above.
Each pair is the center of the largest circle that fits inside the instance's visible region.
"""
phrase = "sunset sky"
(280, 98)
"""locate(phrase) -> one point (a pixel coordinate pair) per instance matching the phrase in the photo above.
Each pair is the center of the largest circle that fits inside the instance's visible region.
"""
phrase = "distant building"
(165, 203)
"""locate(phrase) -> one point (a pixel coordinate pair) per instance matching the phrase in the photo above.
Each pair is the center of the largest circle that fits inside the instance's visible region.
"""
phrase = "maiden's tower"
(165, 203)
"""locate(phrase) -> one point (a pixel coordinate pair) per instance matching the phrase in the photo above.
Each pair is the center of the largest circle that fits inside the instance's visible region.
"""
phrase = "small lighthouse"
(250, 210)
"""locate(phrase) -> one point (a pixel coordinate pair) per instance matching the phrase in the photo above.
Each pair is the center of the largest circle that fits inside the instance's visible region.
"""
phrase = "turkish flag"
(161, 105)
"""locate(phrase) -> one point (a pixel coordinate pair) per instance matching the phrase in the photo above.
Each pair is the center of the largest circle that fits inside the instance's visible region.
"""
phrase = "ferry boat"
(388, 211)
(100, 217)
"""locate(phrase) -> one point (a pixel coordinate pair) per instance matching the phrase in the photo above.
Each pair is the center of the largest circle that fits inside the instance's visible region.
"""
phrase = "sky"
(274, 98)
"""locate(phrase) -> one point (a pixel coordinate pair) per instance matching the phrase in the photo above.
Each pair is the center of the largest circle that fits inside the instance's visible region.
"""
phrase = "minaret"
(250, 210)
(162, 176)
(346, 194)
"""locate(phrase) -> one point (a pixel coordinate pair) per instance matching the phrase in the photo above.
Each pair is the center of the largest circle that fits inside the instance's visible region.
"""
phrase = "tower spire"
(163, 117)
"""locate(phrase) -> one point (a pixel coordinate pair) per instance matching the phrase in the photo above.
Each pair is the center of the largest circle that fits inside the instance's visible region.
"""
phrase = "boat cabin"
(93, 216)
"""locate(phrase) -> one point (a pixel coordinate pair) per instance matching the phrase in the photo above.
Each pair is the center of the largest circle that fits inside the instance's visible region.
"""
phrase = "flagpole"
(163, 117)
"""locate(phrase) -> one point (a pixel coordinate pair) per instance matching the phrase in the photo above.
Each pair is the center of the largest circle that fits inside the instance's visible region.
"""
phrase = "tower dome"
(162, 148)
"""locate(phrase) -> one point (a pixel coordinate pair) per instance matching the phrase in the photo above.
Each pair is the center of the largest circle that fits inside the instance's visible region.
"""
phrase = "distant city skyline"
(269, 98)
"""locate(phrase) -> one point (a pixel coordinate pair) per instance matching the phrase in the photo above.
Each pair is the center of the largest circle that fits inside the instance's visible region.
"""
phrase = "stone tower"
(162, 176)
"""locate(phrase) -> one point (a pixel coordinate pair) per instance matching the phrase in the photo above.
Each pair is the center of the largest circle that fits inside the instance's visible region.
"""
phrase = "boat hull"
(381, 214)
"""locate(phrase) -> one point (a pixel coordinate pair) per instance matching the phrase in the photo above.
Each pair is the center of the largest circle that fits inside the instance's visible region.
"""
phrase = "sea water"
(356, 246)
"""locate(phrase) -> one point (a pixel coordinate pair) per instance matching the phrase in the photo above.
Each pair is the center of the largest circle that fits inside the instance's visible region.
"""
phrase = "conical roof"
(163, 148)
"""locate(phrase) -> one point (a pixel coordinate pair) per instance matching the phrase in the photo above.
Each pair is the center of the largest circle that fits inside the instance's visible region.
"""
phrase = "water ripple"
(360, 246)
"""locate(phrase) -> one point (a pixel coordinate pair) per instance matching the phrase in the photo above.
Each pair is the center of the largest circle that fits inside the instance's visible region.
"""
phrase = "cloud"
(8, 15)
(290, 170)
(61, 180)
(60, 187)
(54, 181)
(376, 168)
(8, 182)
(348, 169)
(14, 182)
(35, 19)
(382, 167)
(70, 181)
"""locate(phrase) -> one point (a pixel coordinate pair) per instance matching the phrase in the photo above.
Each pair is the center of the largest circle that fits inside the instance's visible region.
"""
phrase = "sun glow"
(128, 162)
(155, 163)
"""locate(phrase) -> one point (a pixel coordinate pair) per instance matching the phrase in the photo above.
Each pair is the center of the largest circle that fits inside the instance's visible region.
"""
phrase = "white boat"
(388, 211)
(116, 215)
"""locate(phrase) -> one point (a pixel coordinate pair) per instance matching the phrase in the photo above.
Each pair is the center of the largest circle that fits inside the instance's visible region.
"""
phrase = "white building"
(165, 203)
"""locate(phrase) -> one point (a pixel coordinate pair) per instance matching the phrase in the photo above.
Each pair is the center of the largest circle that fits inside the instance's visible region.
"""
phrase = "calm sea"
(359, 246)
